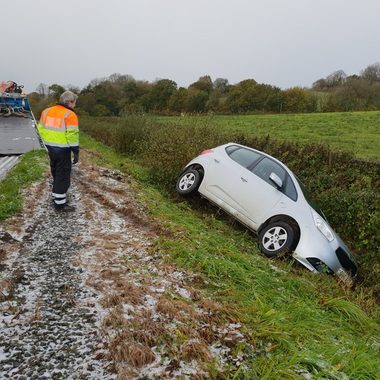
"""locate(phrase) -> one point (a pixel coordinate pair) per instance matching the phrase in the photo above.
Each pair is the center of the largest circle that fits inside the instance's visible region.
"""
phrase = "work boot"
(64, 208)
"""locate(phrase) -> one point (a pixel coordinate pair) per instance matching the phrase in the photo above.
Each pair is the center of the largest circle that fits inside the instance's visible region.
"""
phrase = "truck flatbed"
(18, 135)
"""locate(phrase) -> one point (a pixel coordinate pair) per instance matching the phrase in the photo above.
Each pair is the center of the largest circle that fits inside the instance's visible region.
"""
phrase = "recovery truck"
(18, 128)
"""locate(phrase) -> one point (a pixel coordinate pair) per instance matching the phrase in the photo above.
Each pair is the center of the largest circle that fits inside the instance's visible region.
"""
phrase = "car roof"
(256, 150)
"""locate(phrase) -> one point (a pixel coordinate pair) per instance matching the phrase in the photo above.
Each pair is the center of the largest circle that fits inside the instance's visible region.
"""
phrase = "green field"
(356, 132)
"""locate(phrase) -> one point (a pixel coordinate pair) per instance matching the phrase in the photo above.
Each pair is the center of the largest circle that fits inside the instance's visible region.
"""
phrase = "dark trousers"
(60, 165)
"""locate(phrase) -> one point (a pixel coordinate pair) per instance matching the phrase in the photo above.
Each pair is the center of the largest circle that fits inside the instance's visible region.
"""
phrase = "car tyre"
(188, 182)
(276, 238)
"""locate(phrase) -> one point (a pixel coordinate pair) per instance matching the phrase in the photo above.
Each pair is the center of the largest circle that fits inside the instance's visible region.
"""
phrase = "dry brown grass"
(125, 373)
(147, 331)
(109, 245)
(188, 329)
(200, 376)
(146, 337)
(111, 274)
(167, 307)
(111, 300)
(212, 312)
(122, 349)
(207, 333)
(195, 349)
(129, 292)
(115, 318)
(175, 308)
(95, 283)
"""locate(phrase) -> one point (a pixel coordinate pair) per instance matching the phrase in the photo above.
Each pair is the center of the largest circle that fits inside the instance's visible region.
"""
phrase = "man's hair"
(68, 97)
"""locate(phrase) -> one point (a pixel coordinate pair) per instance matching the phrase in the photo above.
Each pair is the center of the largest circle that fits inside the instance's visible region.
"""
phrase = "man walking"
(58, 128)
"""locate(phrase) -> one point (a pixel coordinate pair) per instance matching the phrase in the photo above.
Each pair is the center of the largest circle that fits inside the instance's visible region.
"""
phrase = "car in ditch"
(267, 197)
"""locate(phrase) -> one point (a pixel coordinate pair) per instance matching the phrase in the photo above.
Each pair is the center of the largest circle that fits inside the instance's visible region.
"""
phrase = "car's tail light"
(207, 151)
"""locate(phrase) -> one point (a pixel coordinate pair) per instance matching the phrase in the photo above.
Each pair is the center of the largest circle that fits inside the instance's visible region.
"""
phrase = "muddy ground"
(87, 295)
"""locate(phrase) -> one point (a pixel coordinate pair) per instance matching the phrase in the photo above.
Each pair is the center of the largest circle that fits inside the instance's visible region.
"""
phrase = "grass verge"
(300, 324)
(29, 169)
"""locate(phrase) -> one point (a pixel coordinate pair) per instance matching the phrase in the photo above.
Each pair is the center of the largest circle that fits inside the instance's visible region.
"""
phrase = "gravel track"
(47, 328)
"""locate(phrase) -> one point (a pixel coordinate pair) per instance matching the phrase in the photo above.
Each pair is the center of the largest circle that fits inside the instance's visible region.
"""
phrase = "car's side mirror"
(276, 180)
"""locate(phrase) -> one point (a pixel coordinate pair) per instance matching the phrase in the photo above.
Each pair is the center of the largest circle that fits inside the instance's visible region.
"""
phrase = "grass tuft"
(31, 167)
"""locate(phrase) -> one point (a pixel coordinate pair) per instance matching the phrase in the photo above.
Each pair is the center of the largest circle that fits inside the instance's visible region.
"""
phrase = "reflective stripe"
(60, 202)
(59, 195)
(71, 127)
(61, 130)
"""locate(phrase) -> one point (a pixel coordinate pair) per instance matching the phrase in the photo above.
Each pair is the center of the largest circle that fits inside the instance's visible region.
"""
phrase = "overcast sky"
(285, 43)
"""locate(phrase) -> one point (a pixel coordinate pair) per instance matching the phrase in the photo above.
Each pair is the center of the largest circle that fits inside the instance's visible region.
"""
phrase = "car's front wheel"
(276, 238)
(188, 182)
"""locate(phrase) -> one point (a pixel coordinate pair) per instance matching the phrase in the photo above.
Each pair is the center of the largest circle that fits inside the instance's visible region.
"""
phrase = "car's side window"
(244, 157)
(264, 169)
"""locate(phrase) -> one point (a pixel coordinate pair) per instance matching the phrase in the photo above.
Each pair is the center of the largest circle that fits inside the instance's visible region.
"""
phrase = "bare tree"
(372, 72)
(43, 89)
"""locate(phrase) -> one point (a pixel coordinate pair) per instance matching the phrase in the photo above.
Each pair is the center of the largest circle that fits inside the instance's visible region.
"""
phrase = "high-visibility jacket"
(58, 127)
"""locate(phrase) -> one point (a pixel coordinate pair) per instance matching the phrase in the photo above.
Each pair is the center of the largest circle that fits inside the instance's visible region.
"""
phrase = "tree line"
(122, 94)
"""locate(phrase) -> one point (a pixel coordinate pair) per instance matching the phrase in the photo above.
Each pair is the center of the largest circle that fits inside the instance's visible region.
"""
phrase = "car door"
(216, 180)
(254, 194)
(224, 166)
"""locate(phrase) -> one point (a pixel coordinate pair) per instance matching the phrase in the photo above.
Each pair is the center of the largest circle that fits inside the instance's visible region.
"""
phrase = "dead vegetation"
(136, 354)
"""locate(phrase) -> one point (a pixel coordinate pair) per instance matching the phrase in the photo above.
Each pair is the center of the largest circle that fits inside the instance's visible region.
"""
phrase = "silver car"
(264, 195)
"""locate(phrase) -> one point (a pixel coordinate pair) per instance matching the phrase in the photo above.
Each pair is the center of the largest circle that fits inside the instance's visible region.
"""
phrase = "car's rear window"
(242, 156)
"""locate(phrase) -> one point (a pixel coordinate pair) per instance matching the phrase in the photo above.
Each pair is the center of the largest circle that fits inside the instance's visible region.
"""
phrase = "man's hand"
(76, 158)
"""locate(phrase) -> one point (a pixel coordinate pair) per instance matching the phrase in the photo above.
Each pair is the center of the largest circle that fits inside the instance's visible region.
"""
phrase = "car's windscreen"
(310, 199)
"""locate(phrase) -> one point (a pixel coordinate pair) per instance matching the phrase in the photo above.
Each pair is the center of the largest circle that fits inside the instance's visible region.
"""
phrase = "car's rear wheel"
(188, 182)
(276, 238)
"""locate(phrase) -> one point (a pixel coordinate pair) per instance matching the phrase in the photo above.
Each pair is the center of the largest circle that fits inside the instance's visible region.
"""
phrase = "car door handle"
(217, 161)
(243, 179)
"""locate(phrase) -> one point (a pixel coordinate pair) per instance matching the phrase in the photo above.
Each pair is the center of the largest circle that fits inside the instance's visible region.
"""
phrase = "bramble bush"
(346, 188)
